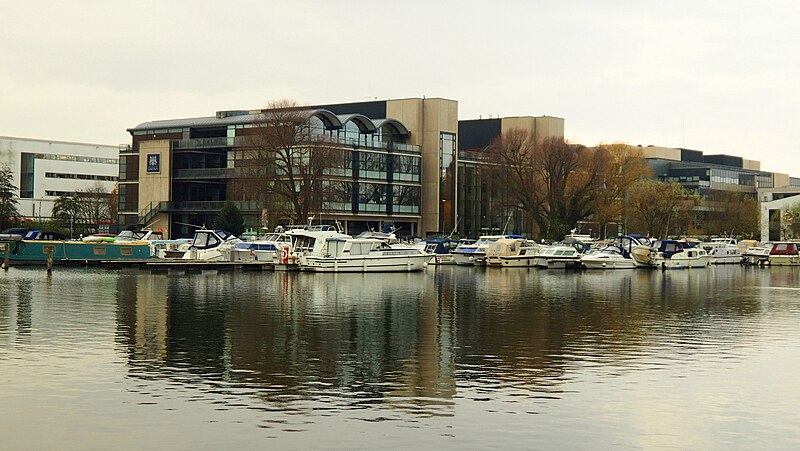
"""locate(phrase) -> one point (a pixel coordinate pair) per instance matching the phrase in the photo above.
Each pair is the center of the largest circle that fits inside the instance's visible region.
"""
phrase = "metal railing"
(206, 173)
(202, 143)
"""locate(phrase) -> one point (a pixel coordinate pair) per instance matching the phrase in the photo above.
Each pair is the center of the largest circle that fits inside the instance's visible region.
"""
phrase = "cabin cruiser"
(558, 256)
(616, 255)
(670, 254)
(441, 247)
(757, 254)
(722, 251)
(274, 247)
(475, 254)
(785, 253)
(325, 249)
(512, 252)
(211, 245)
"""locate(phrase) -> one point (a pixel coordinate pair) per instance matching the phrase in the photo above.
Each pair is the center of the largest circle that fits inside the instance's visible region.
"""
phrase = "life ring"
(284, 254)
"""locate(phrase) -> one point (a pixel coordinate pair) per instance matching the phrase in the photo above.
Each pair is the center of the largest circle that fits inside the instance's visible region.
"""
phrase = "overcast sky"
(717, 76)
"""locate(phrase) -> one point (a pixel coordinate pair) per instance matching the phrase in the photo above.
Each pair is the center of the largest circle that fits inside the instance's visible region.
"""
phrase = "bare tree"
(625, 166)
(84, 211)
(551, 179)
(284, 162)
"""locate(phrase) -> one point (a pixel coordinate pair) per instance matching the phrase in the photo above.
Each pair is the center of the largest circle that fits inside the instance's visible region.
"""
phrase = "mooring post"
(5, 257)
(49, 261)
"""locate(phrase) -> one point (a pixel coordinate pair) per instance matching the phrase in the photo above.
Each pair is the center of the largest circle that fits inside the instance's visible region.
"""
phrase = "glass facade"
(26, 175)
(483, 205)
(447, 181)
(372, 198)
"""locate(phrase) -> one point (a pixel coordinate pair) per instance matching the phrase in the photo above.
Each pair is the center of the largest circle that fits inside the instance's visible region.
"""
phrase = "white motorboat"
(609, 257)
(722, 251)
(329, 250)
(475, 253)
(616, 255)
(785, 253)
(274, 247)
(511, 252)
(559, 256)
(757, 254)
(211, 245)
(670, 254)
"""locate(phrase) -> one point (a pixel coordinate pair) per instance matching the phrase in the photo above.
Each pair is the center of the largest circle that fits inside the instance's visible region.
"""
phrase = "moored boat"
(616, 255)
(785, 253)
(508, 252)
(475, 253)
(670, 254)
(38, 251)
(211, 245)
(328, 250)
(722, 251)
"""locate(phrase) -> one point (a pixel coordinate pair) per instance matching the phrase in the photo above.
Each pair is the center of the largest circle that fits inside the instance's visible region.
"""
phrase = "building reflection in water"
(404, 340)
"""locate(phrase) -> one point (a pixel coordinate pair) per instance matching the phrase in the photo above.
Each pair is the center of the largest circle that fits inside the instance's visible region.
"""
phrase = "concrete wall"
(541, 127)
(780, 180)
(154, 187)
(780, 204)
(426, 119)
(751, 164)
(664, 153)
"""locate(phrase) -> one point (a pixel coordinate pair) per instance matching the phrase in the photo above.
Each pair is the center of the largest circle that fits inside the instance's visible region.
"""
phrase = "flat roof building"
(401, 165)
(45, 169)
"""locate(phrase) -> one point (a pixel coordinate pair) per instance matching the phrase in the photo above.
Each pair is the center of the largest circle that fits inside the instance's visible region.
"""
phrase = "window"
(371, 197)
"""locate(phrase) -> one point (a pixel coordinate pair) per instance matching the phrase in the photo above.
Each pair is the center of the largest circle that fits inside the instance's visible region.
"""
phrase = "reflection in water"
(451, 352)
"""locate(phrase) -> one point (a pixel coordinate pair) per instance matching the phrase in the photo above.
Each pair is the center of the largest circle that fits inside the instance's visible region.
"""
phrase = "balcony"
(211, 206)
(203, 174)
(202, 143)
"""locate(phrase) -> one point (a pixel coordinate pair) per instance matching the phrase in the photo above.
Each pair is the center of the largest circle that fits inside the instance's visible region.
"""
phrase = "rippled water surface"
(448, 358)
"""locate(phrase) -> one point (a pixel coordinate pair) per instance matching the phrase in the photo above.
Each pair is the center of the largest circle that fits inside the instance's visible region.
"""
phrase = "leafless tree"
(551, 179)
(283, 162)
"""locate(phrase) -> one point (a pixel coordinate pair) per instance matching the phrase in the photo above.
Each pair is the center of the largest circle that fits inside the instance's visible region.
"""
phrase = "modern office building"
(401, 165)
(704, 174)
(46, 169)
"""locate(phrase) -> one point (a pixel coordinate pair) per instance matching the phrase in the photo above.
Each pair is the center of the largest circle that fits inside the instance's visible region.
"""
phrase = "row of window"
(61, 175)
(78, 158)
(60, 193)
(371, 197)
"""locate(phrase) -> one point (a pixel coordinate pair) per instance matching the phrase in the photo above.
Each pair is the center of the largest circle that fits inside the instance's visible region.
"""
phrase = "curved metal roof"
(328, 118)
(363, 123)
(398, 128)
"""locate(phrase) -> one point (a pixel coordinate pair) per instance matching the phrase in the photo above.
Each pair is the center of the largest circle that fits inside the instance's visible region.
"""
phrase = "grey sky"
(721, 77)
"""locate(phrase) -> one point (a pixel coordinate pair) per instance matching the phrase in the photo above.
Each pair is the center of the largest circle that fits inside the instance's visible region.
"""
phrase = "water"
(448, 358)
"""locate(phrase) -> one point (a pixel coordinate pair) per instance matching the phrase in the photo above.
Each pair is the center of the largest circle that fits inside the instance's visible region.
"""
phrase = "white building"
(46, 169)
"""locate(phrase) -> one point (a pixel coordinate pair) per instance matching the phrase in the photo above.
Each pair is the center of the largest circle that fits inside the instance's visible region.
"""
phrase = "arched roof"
(363, 123)
(398, 129)
(330, 120)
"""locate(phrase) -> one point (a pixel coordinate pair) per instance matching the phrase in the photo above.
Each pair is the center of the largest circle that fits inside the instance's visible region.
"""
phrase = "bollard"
(49, 262)
(5, 257)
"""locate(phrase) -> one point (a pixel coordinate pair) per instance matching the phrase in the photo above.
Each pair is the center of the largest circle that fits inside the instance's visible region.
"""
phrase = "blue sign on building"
(153, 162)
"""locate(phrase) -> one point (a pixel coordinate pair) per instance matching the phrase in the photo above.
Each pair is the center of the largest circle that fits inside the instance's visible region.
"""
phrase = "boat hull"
(467, 258)
(522, 261)
(784, 260)
(400, 263)
(608, 263)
